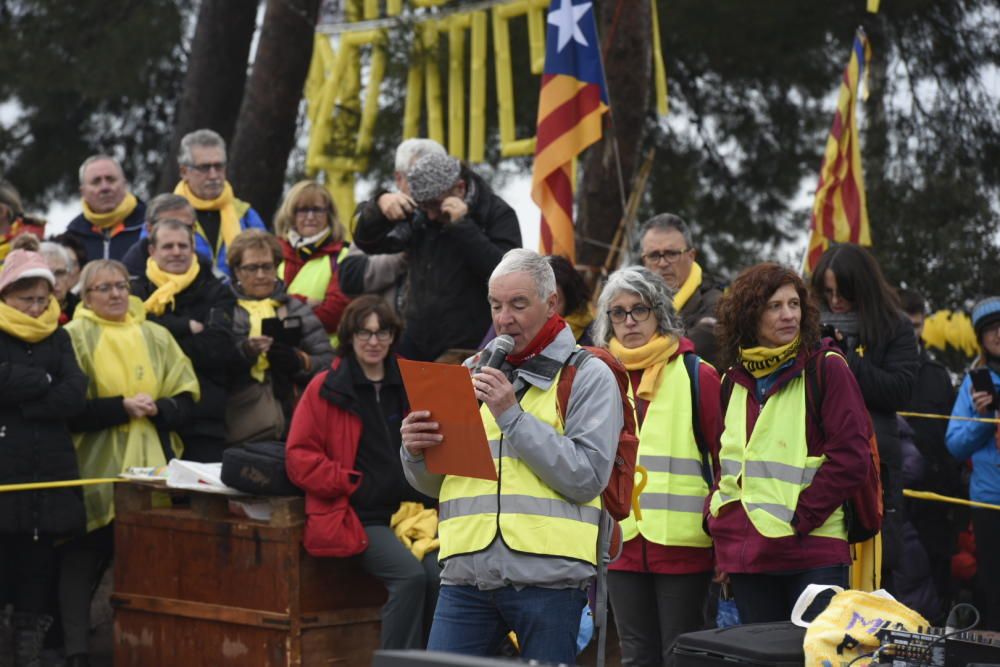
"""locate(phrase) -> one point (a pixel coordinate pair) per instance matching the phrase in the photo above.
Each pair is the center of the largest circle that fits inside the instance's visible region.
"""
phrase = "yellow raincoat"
(123, 359)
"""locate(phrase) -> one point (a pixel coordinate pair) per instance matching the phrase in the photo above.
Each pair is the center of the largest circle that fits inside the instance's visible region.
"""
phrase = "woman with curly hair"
(775, 513)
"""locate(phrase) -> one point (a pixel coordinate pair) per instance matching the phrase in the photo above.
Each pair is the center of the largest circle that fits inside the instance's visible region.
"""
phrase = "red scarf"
(541, 340)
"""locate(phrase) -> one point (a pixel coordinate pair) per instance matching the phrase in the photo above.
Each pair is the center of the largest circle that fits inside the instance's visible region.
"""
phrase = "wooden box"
(196, 585)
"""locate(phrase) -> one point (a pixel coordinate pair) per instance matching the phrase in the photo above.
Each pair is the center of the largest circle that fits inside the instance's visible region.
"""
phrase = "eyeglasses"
(28, 301)
(639, 314)
(315, 210)
(365, 335)
(109, 287)
(208, 167)
(60, 273)
(251, 269)
(668, 256)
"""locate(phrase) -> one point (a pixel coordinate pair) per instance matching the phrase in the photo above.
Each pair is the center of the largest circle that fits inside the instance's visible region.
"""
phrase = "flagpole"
(611, 114)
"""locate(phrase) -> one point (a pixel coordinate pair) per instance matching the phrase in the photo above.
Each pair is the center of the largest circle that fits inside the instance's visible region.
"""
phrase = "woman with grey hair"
(658, 585)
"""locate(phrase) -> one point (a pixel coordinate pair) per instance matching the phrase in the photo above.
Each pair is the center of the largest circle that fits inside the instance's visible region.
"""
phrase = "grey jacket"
(315, 341)
(576, 464)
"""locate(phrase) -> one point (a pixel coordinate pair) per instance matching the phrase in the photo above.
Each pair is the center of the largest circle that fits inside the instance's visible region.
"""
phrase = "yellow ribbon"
(112, 217)
(687, 290)
(168, 285)
(649, 358)
(225, 204)
(28, 328)
(259, 310)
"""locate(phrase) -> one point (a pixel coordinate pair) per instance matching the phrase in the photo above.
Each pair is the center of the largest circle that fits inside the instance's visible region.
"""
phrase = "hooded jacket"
(450, 265)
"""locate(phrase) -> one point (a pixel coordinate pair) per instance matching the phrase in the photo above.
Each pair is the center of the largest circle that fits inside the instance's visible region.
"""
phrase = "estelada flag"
(572, 100)
(840, 213)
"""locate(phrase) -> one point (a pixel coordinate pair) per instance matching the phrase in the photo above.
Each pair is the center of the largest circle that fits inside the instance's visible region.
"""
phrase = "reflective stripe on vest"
(313, 278)
(530, 515)
(674, 498)
(768, 472)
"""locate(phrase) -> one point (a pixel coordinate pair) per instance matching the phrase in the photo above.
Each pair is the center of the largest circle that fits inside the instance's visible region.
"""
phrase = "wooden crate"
(195, 585)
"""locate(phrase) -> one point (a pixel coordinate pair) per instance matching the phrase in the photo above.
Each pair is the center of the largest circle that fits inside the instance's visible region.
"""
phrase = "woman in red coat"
(343, 451)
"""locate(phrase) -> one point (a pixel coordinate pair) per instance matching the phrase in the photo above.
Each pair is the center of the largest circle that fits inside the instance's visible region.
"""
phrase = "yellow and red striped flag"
(572, 100)
(840, 213)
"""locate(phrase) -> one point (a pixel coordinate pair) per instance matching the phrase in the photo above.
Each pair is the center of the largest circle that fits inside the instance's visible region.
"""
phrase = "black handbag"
(258, 468)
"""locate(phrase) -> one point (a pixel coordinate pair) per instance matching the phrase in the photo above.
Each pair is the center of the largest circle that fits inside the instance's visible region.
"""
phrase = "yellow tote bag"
(850, 624)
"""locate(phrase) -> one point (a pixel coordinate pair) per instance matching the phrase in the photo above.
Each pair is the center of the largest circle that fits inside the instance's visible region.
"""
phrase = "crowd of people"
(186, 325)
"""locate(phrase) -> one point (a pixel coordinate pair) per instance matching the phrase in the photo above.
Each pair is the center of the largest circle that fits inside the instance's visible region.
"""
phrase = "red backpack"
(617, 496)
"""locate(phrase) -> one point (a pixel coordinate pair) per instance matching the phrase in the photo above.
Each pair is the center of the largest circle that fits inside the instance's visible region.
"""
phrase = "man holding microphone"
(519, 553)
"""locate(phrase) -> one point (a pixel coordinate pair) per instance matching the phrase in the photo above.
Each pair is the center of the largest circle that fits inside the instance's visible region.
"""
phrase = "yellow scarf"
(28, 328)
(225, 204)
(649, 358)
(686, 290)
(580, 320)
(762, 361)
(259, 310)
(113, 217)
(168, 285)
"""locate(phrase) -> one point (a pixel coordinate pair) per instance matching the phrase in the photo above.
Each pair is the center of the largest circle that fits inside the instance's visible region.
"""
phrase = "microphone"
(502, 346)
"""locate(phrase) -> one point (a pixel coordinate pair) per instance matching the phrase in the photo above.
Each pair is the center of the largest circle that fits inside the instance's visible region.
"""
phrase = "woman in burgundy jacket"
(343, 451)
(775, 513)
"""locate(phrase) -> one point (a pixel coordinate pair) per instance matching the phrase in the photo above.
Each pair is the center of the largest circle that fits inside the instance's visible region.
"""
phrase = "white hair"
(204, 138)
(97, 158)
(653, 292)
(50, 249)
(411, 150)
(522, 260)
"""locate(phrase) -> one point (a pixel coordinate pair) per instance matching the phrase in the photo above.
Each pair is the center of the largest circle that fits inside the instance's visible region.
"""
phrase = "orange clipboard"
(445, 390)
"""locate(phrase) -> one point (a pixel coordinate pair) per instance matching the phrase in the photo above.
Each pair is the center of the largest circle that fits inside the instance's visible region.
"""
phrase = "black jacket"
(383, 484)
(102, 245)
(41, 386)
(208, 301)
(449, 264)
(886, 375)
(698, 315)
(135, 257)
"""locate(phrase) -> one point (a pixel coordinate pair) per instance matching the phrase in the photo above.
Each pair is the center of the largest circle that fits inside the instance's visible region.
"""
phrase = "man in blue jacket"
(112, 216)
(221, 216)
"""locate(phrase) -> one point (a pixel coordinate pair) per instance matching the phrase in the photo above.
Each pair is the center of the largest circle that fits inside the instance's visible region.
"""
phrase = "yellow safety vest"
(530, 516)
(313, 278)
(767, 473)
(674, 497)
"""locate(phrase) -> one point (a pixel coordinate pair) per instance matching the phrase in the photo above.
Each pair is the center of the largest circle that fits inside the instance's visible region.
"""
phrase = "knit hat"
(21, 264)
(431, 176)
(985, 313)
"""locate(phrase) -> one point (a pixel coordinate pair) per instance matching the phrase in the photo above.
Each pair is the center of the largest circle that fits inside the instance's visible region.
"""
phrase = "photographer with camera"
(862, 313)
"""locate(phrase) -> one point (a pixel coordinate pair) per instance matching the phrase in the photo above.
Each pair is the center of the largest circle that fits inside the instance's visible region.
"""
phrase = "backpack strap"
(566, 378)
(814, 389)
(692, 363)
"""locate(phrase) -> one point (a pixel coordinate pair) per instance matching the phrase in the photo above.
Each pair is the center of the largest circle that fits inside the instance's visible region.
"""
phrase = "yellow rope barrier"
(929, 495)
(925, 415)
(35, 486)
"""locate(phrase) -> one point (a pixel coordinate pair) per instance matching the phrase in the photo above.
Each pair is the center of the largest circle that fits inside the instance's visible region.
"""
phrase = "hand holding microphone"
(491, 386)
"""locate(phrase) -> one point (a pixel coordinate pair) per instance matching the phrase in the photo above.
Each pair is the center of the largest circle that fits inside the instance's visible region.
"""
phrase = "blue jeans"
(763, 598)
(474, 622)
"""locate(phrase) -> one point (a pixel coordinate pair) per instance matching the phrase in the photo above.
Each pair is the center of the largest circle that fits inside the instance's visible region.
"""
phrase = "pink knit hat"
(22, 264)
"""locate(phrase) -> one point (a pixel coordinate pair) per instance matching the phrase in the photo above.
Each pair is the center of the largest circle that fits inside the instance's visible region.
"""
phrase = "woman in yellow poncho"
(141, 388)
